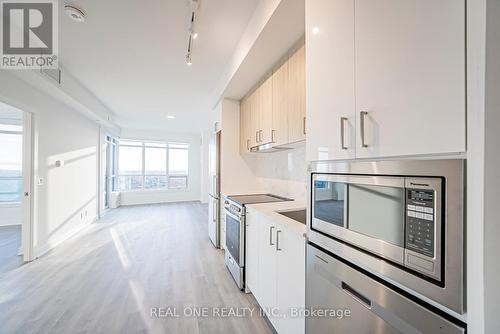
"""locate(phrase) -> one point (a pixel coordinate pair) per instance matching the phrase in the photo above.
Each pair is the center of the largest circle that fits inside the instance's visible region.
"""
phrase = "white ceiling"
(131, 55)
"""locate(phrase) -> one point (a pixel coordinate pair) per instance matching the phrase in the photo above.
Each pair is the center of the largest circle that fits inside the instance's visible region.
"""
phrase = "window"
(178, 165)
(152, 165)
(11, 176)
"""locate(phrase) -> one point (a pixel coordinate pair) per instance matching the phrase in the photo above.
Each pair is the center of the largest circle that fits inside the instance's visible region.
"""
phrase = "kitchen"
(257, 166)
(350, 189)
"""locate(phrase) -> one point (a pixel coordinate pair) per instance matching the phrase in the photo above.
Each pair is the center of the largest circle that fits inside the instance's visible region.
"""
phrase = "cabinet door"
(410, 77)
(252, 251)
(330, 80)
(254, 117)
(266, 111)
(297, 96)
(266, 295)
(245, 125)
(290, 279)
(280, 105)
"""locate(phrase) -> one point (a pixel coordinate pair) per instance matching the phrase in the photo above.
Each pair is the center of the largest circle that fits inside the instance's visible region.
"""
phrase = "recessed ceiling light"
(315, 30)
(171, 117)
(195, 35)
(74, 13)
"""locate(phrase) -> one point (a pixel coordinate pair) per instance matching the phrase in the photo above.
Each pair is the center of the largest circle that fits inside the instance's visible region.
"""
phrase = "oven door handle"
(232, 215)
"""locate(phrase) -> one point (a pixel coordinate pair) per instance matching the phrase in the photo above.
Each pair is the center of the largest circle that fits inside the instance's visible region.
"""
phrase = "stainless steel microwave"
(403, 218)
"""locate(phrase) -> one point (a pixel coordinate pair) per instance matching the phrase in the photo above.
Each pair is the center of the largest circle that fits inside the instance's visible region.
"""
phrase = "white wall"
(193, 191)
(204, 183)
(67, 200)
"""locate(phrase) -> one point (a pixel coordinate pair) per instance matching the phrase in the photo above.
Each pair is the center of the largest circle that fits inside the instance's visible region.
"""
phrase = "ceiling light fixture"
(192, 33)
(74, 13)
(171, 117)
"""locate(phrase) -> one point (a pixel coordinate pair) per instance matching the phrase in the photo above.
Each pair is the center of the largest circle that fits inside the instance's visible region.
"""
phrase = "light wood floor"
(108, 277)
(10, 241)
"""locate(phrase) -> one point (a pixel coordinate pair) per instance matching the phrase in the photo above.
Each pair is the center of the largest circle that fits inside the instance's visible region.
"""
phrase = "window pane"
(178, 161)
(130, 160)
(177, 182)
(10, 190)
(156, 161)
(11, 127)
(11, 156)
(155, 182)
(129, 182)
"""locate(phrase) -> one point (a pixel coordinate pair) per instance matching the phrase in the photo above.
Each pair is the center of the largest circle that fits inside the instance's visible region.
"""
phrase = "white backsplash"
(282, 173)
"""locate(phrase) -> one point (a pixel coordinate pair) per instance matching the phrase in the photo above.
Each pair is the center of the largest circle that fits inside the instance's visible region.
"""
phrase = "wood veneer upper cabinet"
(265, 111)
(297, 96)
(280, 105)
(410, 77)
(245, 123)
(254, 99)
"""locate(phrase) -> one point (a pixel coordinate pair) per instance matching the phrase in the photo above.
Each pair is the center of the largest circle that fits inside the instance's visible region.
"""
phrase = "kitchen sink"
(297, 215)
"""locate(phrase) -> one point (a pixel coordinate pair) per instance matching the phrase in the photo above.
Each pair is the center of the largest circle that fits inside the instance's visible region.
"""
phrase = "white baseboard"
(42, 250)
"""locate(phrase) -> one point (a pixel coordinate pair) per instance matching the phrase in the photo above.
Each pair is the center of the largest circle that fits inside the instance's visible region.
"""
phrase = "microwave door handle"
(346, 203)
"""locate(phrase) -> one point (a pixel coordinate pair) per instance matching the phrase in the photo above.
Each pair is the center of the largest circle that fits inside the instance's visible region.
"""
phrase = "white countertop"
(270, 210)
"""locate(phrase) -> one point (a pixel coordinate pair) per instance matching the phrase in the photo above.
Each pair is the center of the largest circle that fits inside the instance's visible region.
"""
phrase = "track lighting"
(192, 33)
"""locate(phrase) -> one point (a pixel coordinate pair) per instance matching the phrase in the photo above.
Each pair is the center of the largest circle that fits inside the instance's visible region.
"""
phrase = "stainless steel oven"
(401, 219)
(234, 212)
(235, 245)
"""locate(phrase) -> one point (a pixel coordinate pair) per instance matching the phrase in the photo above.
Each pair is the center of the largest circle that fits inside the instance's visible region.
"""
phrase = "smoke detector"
(74, 13)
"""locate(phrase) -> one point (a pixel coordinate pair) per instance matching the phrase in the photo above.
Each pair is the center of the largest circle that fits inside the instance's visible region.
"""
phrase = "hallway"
(108, 278)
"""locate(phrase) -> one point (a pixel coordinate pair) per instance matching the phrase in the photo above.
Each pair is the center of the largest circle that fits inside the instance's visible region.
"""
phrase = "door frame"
(27, 202)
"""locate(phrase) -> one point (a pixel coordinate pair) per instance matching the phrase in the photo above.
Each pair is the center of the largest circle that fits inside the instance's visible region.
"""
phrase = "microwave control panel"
(420, 221)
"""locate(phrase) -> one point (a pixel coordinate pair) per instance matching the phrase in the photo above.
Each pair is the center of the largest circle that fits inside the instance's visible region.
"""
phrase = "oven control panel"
(420, 221)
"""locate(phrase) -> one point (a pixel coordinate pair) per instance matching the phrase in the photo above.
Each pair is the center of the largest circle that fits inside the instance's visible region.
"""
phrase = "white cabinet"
(330, 79)
(275, 270)
(290, 278)
(266, 293)
(252, 250)
(394, 68)
(410, 76)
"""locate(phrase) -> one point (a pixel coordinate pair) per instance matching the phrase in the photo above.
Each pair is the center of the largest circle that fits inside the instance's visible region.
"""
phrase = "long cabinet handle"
(342, 132)
(362, 116)
(278, 240)
(356, 295)
(271, 236)
(304, 125)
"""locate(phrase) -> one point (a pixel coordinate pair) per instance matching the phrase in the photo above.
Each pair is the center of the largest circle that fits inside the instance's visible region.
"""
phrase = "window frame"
(144, 145)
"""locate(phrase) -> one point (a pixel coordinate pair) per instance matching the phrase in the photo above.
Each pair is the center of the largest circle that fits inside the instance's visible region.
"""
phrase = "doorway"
(15, 188)
(110, 169)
